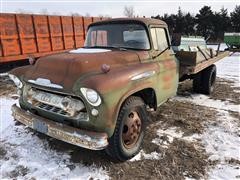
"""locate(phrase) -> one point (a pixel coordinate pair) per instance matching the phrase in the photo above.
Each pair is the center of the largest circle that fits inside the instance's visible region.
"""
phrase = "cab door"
(168, 64)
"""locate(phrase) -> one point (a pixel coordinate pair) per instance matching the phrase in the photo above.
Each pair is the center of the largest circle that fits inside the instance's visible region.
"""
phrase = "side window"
(159, 38)
(154, 38)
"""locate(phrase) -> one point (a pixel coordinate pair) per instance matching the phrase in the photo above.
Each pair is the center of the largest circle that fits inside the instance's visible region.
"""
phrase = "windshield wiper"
(117, 47)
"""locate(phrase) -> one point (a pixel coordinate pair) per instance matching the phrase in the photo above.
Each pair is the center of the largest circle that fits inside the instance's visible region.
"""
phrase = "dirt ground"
(180, 160)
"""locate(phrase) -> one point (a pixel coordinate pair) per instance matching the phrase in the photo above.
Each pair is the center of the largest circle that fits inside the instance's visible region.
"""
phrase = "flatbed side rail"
(188, 70)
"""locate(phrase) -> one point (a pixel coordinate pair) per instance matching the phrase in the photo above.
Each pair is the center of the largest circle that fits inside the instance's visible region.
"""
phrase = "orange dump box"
(24, 35)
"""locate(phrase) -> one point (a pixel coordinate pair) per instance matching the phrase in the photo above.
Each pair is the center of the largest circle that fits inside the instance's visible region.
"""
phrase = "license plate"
(40, 126)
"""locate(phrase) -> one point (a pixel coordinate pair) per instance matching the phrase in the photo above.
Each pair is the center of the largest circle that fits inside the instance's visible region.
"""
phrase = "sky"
(112, 8)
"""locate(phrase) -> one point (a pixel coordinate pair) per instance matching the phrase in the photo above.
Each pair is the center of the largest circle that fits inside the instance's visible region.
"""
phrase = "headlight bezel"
(87, 93)
(16, 81)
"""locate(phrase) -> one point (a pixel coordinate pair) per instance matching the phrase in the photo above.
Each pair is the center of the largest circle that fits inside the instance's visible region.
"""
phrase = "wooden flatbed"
(188, 70)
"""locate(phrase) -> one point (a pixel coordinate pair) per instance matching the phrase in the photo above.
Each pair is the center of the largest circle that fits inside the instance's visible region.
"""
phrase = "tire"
(197, 83)
(122, 145)
(204, 81)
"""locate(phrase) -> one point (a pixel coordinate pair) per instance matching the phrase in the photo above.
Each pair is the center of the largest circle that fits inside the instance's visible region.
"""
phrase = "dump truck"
(97, 97)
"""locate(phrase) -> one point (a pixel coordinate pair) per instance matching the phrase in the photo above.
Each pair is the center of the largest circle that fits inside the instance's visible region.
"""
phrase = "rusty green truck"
(97, 96)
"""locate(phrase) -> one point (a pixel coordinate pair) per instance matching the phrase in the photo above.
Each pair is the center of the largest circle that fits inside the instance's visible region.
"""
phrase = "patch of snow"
(170, 134)
(225, 172)
(152, 155)
(222, 142)
(5, 114)
(229, 68)
(142, 155)
(204, 100)
(221, 138)
(137, 157)
(89, 50)
(3, 74)
(223, 46)
(26, 149)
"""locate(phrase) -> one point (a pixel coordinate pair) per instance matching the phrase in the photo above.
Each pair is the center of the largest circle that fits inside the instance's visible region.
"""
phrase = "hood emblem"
(45, 82)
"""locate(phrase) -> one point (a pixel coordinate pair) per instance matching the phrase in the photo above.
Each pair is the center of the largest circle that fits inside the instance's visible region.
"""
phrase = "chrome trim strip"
(143, 75)
(45, 82)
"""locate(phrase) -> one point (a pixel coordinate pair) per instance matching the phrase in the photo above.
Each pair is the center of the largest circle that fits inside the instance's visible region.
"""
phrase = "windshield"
(118, 35)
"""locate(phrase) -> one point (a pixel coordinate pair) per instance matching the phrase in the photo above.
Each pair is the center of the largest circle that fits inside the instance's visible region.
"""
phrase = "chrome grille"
(51, 108)
(52, 103)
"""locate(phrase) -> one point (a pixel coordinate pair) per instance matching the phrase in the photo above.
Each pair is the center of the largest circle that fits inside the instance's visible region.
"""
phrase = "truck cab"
(97, 96)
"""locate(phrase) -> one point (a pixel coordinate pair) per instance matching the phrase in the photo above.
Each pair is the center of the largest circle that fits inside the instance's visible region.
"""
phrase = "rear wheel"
(204, 81)
(129, 131)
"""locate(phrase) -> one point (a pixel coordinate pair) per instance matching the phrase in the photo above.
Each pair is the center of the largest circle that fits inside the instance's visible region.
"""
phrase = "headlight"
(16, 81)
(91, 96)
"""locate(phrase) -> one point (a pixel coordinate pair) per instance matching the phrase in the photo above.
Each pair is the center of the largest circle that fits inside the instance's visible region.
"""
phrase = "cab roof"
(146, 21)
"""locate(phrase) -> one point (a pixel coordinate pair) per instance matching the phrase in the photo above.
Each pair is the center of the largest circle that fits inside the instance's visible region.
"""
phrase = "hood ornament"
(45, 82)
(105, 68)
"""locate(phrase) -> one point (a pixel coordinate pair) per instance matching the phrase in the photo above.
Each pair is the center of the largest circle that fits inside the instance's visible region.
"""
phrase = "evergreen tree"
(221, 23)
(170, 20)
(204, 22)
(180, 23)
(189, 23)
(235, 19)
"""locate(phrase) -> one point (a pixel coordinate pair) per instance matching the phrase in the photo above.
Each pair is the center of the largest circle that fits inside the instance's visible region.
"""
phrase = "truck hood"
(64, 69)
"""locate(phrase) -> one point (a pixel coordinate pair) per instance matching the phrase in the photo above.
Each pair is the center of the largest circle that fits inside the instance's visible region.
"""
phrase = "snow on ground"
(3, 74)
(221, 138)
(204, 100)
(25, 151)
(5, 114)
(229, 68)
(142, 155)
(171, 134)
(222, 142)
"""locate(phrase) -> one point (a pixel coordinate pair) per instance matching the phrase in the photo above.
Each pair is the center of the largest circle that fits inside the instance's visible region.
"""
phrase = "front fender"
(20, 71)
(114, 87)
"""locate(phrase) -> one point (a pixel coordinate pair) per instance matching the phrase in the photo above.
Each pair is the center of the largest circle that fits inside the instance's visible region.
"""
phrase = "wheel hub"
(131, 129)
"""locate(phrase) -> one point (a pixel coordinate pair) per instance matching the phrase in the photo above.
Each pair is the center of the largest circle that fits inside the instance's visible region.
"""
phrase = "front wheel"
(129, 131)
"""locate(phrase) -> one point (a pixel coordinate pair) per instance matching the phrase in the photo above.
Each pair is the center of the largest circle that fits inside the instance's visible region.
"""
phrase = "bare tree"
(87, 15)
(56, 13)
(23, 11)
(44, 11)
(128, 11)
(104, 16)
(75, 14)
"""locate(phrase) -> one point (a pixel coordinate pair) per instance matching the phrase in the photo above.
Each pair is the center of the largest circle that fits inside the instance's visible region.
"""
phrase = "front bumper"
(72, 135)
